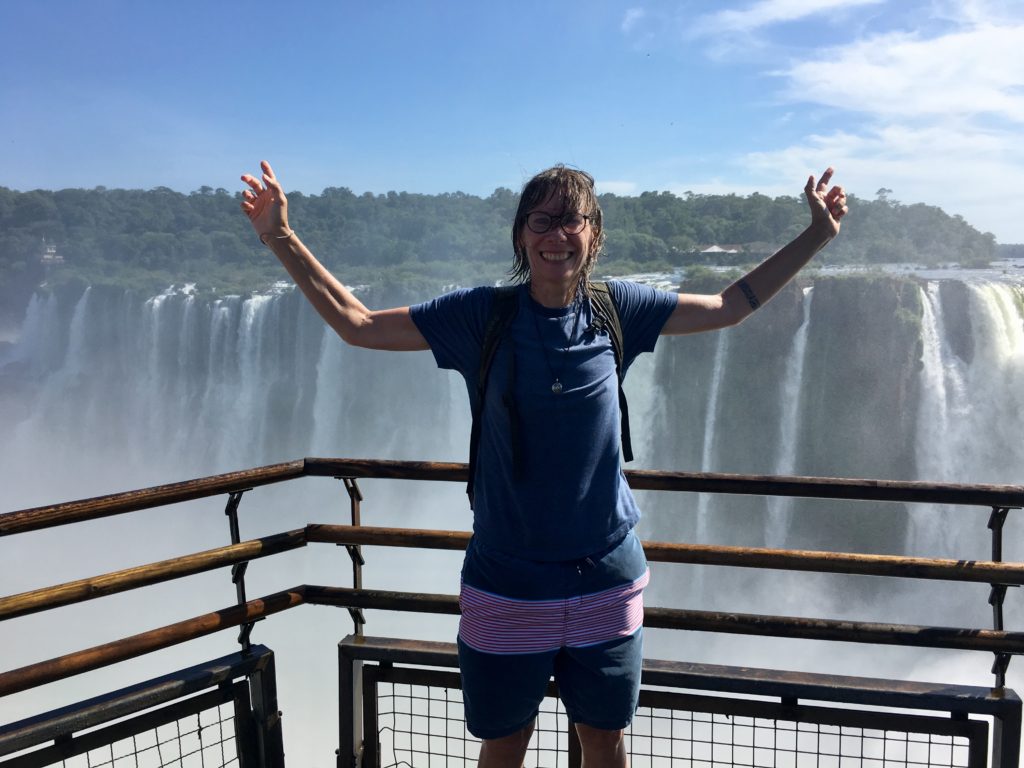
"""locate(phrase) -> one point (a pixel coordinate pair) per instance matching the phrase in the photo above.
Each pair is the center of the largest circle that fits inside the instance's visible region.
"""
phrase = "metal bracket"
(238, 569)
(995, 524)
(358, 619)
(355, 552)
(999, 667)
(997, 592)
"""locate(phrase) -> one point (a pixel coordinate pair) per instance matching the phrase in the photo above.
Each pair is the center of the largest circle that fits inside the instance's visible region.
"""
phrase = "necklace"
(556, 384)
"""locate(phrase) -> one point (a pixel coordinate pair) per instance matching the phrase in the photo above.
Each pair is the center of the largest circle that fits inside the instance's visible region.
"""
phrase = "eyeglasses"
(571, 223)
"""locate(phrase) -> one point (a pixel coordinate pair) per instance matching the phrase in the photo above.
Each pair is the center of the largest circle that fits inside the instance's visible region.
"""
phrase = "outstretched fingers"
(826, 177)
(251, 195)
(268, 176)
(259, 192)
(264, 201)
(826, 203)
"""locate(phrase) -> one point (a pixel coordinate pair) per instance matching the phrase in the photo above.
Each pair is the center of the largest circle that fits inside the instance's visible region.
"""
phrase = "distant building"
(711, 249)
(49, 255)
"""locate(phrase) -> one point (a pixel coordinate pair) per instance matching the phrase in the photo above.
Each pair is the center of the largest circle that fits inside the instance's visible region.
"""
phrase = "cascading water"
(943, 397)
(879, 377)
(707, 454)
(710, 420)
(779, 506)
(972, 400)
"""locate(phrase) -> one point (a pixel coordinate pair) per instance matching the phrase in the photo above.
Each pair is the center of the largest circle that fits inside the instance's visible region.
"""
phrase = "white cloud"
(967, 172)
(768, 12)
(632, 17)
(968, 72)
(931, 107)
(976, 11)
(941, 117)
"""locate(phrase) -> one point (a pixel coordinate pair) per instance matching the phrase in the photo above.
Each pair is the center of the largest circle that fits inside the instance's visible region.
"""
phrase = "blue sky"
(924, 97)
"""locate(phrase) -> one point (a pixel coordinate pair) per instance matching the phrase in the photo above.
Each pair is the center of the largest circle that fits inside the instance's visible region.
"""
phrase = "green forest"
(149, 239)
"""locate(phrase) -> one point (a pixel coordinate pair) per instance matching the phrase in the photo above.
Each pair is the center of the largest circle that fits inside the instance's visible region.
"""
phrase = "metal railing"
(997, 640)
(220, 713)
(770, 718)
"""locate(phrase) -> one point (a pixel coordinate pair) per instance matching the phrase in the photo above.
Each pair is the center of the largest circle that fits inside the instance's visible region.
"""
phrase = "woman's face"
(556, 258)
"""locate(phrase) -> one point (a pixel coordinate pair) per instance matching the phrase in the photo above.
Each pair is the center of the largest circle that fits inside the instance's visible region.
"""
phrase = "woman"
(553, 577)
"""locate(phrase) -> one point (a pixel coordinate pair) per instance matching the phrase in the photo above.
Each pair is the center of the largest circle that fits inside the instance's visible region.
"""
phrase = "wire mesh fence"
(217, 714)
(205, 739)
(672, 738)
(422, 726)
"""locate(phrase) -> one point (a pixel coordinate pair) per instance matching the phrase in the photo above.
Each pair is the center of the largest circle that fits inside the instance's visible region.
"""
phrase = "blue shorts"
(526, 621)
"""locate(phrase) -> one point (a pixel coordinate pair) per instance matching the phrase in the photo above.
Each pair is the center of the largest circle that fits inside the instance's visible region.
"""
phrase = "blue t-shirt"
(569, 498)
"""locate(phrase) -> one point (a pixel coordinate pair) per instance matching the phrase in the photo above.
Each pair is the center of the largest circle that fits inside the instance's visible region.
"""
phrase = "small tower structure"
(49, 256)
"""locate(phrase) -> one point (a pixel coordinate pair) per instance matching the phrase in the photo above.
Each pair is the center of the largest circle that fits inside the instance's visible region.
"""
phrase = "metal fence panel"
(212, 715)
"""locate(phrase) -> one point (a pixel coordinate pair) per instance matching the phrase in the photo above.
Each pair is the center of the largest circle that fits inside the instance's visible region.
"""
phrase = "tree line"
(151, 238)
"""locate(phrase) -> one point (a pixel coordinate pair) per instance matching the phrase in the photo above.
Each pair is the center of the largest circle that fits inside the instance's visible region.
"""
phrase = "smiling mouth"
(562, 256)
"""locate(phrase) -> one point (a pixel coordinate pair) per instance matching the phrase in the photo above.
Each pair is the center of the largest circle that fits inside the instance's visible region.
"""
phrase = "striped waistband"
(496, 624)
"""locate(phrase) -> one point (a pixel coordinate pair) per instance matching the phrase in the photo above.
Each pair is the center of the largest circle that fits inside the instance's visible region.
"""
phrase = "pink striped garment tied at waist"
(495, 624)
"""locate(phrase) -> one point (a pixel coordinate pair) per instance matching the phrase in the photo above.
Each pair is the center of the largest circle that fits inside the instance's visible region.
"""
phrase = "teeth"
(564, 256)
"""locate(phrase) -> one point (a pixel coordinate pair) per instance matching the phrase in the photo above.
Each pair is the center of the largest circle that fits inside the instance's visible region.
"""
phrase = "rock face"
(956, 307)
(854, 406)
(864, 353)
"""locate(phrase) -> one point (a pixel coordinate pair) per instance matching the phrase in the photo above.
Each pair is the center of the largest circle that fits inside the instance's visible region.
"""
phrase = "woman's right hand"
(265, 204)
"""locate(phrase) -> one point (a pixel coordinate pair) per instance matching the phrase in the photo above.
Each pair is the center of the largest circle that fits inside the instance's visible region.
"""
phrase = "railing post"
(1006, 738)
(238, 569)
(355, 552)
(350, 709)
(263, 689)
(997, 593)
(370, 757)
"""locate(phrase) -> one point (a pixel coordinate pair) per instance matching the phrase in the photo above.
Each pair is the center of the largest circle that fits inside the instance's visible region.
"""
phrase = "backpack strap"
(503, 312)
(607, 318)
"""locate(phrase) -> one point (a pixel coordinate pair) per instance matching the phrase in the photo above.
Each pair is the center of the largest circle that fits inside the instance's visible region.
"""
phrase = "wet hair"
(576, 189)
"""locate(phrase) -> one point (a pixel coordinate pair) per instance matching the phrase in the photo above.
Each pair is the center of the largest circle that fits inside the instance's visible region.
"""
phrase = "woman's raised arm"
(267, 208)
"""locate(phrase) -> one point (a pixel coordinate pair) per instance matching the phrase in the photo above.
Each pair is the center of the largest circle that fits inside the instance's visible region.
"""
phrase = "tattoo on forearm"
(749, 293)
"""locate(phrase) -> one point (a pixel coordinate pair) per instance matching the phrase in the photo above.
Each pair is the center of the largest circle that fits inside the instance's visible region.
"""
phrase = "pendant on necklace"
(557, 387)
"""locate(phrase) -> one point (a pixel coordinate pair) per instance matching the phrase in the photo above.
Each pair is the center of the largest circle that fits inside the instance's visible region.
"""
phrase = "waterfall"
(330, 378)
(876, 377)
(707, 455)
(942, 389)
(971, 405)
(991, 447)
(176, 384)
(779, 506)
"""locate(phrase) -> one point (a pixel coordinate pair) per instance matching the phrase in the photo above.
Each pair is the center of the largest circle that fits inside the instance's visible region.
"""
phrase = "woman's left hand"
(828, 206)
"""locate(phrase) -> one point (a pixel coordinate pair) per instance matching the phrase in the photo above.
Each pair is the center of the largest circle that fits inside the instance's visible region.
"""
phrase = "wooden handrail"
(712, 482)
(144, 575)
(984, 571)
(712, 621)
(36, 518)
(43, 672)
(46, 598)
(908, 491)
(692, 482)
(988, 496)
(34, 675)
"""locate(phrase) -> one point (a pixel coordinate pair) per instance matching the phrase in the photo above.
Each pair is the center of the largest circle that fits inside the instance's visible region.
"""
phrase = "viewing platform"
(398, 698)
